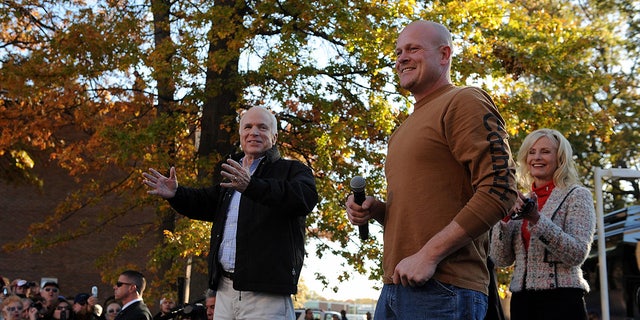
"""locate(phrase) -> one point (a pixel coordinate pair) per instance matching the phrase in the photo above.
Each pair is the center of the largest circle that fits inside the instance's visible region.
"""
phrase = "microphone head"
(357, 184)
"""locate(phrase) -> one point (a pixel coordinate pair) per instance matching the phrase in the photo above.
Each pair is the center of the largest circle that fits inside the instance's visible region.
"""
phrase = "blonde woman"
(548, 244)
(12, 308)
(112, 310)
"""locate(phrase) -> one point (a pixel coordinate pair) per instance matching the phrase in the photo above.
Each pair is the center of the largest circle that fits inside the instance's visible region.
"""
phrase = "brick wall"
(72, 263)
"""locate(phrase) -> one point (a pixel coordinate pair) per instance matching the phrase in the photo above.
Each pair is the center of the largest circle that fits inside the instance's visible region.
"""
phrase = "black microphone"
(357, 187)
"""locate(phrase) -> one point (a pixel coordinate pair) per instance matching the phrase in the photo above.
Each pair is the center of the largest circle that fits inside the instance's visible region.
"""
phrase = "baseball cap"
(51, 283)
(21, 283)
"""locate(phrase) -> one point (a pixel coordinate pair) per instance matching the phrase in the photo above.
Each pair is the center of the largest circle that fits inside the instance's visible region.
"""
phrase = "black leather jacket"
(271, 224)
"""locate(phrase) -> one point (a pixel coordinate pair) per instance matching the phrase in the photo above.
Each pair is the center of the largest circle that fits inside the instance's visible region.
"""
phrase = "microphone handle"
(358, 198)
(364, 231)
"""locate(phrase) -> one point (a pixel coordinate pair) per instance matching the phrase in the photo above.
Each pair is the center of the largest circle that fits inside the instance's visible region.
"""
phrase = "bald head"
(434, 33)
(423, 62)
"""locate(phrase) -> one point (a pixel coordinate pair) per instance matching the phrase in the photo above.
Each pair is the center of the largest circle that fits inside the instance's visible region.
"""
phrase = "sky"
(358, 287)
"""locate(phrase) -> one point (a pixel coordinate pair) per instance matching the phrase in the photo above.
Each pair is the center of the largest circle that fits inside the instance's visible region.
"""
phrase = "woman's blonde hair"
(566, 173)
(9, 300)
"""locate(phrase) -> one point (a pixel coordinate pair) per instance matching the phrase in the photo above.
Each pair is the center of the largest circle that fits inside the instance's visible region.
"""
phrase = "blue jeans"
(434, 300)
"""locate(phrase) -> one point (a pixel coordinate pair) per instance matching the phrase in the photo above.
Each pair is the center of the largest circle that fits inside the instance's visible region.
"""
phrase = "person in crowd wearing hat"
(85, 307)
(166, 306)
(129, 290)
(20, 288)
(50, 292)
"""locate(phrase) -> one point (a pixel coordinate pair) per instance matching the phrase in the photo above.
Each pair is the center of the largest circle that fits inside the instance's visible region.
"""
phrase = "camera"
(194, 311)
(529, 204)
(37, 304)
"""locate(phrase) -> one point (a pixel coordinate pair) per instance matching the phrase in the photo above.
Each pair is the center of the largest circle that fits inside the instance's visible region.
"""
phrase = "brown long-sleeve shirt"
(449, 160)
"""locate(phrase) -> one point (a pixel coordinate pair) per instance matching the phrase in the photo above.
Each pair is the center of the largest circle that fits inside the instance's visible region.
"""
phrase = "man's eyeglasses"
(54, 290)
(119, 284)
(62, 308)
(113, 310)
(12, 309)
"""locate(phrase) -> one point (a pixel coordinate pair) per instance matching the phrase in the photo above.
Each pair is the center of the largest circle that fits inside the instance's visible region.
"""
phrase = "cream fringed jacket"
(557, 248)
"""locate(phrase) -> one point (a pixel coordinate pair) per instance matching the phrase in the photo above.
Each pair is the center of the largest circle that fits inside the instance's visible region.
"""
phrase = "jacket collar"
(271, 155)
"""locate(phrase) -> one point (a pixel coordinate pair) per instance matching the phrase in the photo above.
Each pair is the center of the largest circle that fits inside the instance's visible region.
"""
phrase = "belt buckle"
(227, 274)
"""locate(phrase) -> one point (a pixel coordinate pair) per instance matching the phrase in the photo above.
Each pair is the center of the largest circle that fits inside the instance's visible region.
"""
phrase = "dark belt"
(227, 274)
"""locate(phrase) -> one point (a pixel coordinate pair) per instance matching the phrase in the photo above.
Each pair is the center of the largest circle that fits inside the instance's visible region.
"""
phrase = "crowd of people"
(27, 300)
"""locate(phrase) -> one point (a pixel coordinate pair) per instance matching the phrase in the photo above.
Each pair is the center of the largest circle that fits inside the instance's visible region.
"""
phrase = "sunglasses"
(54, 290)
(113, 310)
(119, 284)
(12, 309)
(62, 308)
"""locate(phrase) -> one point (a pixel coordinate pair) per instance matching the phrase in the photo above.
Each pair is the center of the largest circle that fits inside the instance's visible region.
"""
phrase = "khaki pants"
(248, 305)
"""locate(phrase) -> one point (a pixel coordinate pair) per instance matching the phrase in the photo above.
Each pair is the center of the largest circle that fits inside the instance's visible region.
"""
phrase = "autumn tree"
(120, 86)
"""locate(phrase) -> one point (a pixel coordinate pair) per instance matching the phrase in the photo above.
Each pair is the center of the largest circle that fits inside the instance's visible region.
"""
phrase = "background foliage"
(107, 89)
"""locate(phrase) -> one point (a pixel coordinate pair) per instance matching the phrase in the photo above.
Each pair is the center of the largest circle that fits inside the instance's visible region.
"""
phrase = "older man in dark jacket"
(258, 215)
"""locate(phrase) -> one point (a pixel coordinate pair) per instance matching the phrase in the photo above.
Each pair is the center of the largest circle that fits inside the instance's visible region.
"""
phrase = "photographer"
(549, 241)
(62, 311)
(193, 311)
(84, 307)
(35, 309)
(5, 290)
(190, 311)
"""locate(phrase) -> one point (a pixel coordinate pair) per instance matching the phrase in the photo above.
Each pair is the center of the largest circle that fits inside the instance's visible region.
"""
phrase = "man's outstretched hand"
(160, 185)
